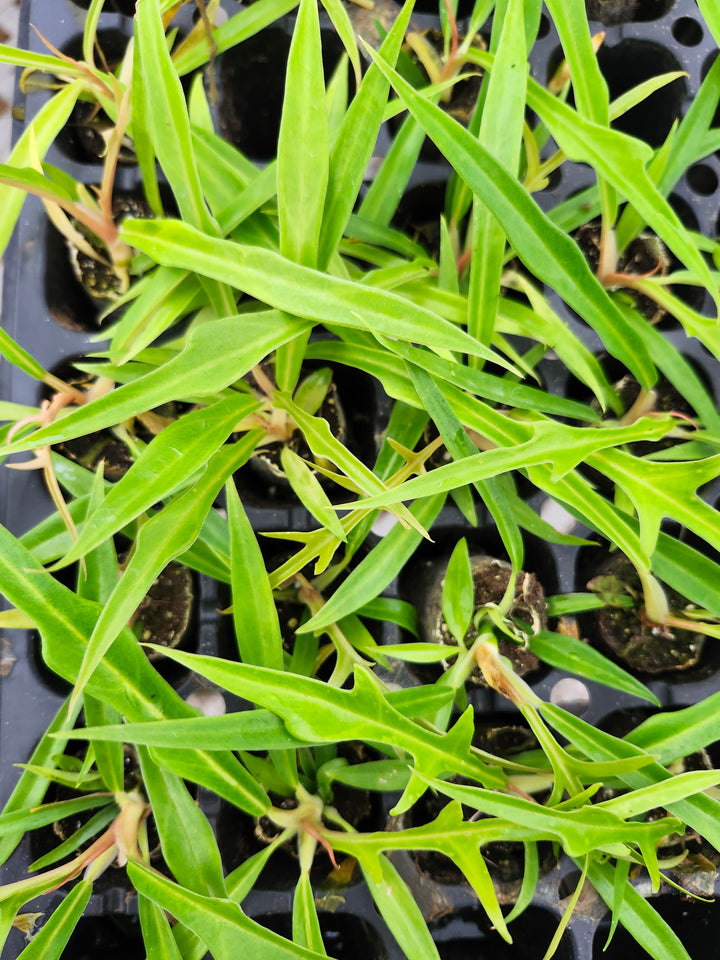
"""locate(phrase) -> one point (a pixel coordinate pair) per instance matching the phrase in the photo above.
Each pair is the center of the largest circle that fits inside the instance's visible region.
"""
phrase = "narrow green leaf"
(305, 923)
(711, 16)
(36, 139)
(622, 161)
(188, 844)
(124, 678)
(248, 730)
(167, 295)
(381, 201)
(391, 610)
(638, 916)
(661, 794)
(52, 938)
(42, 815)
(497, 492)
(15, 354)
(589, 86)
(166, 118)
(458, 592)
(501, 126)
(178, 453)
(702, 813)
(550, 444)
(221, 924)
(109, 757)
(142, 139)
(398, 908)
(355, 142)
(672, 735)
(257, 628)
(157, 933)
(577, 657)
(160, 540)
(312, 710)
(581, 831)
(239, 27)
(310, 492)
(303, 146)
(30, 788)
(290, 287)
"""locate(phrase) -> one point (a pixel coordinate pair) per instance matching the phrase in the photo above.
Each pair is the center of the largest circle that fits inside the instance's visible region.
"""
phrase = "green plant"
(237, 310)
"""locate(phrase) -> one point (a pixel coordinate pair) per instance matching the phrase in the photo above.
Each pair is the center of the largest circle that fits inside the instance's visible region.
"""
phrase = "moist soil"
(644, 647)
(163, 617)
(97, 278)
(645, 254)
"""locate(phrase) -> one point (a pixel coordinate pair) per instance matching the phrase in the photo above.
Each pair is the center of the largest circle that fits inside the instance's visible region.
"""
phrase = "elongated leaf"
(661, 794)
(180, 451)
(15, 57)
(40, 816)
(166, 116)
(313, 710)
(497, 492)
(381, 201)
(665, 490)
(639, 916)
(671, 736)
(257, 628)
(400, 911)
(36, 139)
(700, 812)
(458, 602)
(199, 369)
(501, 125)
(581, 831)
(393, 375)
(240, 27)
(309, 491)
(221, 924)
(108, 757)
(580, 658)
(289, 287)
(325, 445)
(305, 923)
(303, 145)
(249, 730)
(547, 252)
(558, 444)
(96, 825)
(589, 86)
(169, 295)
(157, 933)
(622, 161)
(711, 16)
(15, 354)
(142, 139)
(683, 152)
(187, 840)
(355, 142)
(50, 941)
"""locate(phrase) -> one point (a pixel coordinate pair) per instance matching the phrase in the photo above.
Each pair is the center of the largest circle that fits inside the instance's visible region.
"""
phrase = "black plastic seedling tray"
(46, 311)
